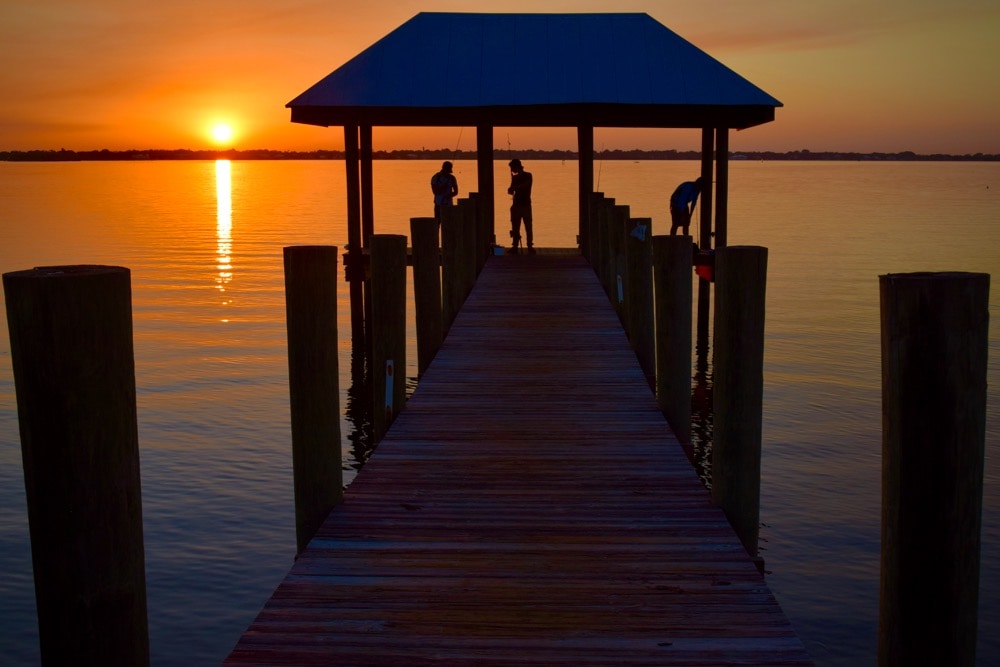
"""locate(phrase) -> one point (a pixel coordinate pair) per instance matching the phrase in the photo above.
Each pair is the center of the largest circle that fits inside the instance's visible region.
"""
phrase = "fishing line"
(600, 165)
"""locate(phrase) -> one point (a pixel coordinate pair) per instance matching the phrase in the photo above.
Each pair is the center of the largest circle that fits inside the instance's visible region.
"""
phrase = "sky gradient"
(899, 75)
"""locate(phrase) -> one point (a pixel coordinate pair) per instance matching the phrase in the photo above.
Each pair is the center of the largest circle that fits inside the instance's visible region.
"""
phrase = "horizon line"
(438, 153)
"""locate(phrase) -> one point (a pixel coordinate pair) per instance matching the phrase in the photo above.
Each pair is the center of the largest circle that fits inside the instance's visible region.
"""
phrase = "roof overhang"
(562, 115)
(534, 70)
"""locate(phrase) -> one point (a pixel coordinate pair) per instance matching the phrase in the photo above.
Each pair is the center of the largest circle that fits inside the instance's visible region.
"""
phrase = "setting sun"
(222, 133)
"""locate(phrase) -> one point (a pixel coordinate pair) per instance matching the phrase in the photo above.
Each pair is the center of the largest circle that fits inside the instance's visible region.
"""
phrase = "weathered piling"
(74, 374)
(388, 257)
(639, 291)
(483, 236)
(455, 262)
(313, 385)
(740, 278)
(426, 289)
(592, 239)
(672, 265)
(617, 230)
(601, 251)
(934, 358)
(468, 249)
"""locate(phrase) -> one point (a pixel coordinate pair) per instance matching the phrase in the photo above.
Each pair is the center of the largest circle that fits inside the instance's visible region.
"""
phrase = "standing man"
(682, 204)
(520, 187)
(444, 185)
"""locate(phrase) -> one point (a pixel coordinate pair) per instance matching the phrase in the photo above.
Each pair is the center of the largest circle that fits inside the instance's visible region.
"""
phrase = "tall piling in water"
(388, 261)
(452, 267)
(639, 290)
(740, 278)
(935, 329)
(74, 374)
(313, 385)
(426, 289)
(672, 266)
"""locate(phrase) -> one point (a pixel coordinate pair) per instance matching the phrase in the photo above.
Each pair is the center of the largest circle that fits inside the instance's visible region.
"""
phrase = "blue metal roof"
(624, 70)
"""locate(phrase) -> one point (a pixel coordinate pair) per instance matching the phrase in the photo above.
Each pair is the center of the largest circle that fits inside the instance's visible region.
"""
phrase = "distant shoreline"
(445, 154)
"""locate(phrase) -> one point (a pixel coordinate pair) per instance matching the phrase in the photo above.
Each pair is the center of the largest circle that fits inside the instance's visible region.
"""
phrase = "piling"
(74, 373)
(592, 239)
(607, 257)
(740, 278)
(388, 262)
(672, 266)
(426, 289)
(639, 287)
(934, 358)
(313, 385)
(483, 236)
(468, 250)
(602, 254)
(452, 271)
(617, 231)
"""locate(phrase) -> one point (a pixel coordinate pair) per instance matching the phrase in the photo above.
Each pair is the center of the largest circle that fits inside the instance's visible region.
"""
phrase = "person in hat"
(444, 185)
(682, 203)
(520, 210)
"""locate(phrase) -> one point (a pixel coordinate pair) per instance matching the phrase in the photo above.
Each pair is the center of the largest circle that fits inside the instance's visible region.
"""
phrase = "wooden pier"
(529, 506)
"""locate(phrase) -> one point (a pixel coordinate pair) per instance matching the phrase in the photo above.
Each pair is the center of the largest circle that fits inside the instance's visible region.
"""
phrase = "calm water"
(204, 243)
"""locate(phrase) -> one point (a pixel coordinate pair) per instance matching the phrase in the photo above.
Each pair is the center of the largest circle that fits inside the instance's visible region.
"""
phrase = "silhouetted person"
(520, 210)
(444, 185)
(682, 203)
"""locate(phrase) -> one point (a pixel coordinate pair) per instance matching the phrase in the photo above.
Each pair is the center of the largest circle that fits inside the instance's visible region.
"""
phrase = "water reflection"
(701, 414)
(224, 227)
(702, 421)
(359, 407)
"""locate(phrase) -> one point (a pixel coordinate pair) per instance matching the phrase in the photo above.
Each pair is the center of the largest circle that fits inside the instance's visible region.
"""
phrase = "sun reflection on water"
(224, 227)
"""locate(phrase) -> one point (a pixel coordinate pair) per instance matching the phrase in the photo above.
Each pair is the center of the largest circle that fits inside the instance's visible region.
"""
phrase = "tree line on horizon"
(105, 154)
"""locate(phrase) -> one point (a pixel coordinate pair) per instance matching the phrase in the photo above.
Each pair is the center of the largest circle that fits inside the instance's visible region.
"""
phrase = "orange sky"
(854, 75)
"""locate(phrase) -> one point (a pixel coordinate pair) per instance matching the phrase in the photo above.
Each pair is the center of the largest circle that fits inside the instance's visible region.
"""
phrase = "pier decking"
(529, 506)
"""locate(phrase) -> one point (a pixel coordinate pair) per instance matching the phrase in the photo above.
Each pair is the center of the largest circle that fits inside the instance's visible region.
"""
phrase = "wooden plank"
(529, 506)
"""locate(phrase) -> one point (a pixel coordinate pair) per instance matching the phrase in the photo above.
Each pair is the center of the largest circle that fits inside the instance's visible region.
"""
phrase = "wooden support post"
(313, 385)
(705, 229)
(388, 259)
(367, 205)
(74, 373)
(705, 198)
(478, 244)
(639, 287)
(585, 146)
(605, 258)
(672, 270)
(617, 232)
(452, 230)
(467, 252)
(599, 242)
(740, 277)
(592, 241)
(354, 266)
(484, 235)
(485, 179)
(721, 188)
(367, 185)
(426, 289)
(935, 330)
